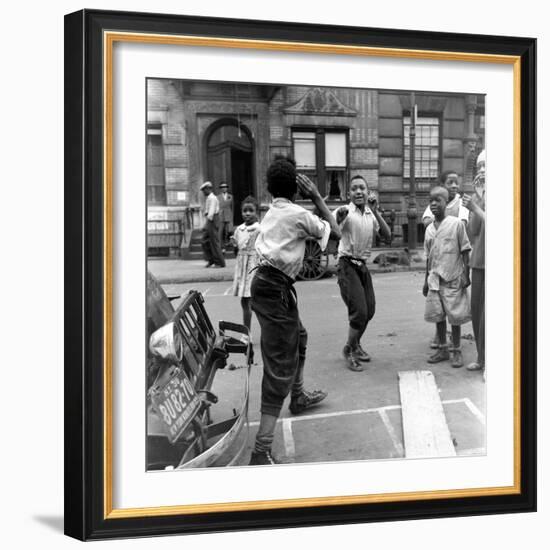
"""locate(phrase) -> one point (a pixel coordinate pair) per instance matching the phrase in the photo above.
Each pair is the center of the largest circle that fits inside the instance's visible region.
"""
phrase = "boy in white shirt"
(455, 208)
(447, 250)
(280, 246)
(358, 223)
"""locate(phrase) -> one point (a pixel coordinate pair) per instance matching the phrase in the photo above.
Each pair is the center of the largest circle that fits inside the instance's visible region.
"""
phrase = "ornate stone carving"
(319, 101)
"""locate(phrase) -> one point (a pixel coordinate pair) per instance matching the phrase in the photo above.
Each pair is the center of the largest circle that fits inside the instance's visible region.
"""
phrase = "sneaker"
(442, 354)
(361, 354)
(352, 361)
(306, 400)
(457, 361)
(474, 366)
(261, 458)
(209, 264)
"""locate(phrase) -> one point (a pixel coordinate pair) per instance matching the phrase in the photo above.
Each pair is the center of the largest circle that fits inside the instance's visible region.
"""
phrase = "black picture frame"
(85, 493)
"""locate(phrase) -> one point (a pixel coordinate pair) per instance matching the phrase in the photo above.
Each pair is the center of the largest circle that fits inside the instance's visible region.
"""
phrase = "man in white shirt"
(210, 231)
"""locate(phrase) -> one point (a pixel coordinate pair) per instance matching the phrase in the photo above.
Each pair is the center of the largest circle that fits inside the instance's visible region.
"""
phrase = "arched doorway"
(230, 158)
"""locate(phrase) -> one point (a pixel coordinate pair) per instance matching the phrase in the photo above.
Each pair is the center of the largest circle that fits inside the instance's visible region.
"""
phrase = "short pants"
(450, 301)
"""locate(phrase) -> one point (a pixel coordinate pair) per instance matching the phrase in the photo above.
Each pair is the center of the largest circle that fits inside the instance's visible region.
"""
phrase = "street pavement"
(361, 417)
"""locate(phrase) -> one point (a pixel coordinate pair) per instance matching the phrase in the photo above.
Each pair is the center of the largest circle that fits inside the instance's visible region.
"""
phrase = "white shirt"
(281, 241)
(211, 206)
(453, 208)
(358, 229)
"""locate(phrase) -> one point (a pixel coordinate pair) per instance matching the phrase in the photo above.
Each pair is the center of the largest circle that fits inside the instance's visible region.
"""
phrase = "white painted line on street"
(228, 291)
(480, 451)
(367, 411)
(391, 432)
(333, 414)
(474, 410)
(205, 292)
(453, 401)
(288, 438)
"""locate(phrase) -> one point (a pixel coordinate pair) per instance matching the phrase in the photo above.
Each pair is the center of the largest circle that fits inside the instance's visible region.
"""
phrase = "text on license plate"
(176, 404)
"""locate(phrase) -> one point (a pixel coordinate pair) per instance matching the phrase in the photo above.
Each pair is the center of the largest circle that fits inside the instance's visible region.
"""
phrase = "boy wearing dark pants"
(447, 251)
(358, 224)
(280, 246)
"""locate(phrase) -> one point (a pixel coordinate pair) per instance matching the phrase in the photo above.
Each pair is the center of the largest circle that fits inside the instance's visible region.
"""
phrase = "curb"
(229, 276)
(195, 279)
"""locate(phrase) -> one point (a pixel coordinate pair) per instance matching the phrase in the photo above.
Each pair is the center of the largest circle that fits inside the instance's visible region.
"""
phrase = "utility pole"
(412, 213)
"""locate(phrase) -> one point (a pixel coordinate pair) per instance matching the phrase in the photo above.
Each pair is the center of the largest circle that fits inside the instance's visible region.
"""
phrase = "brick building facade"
(198, 131)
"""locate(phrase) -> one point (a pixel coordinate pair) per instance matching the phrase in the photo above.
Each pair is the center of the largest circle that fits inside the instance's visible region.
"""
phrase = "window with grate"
(427, 148)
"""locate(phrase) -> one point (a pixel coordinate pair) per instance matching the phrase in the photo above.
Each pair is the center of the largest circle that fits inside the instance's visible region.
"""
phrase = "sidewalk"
(174, 271)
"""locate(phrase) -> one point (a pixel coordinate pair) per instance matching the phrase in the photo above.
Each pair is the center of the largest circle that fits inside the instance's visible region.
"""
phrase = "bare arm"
(466, 262)
(384, 230)
(478, 213)
(309, 190)
(425, 287)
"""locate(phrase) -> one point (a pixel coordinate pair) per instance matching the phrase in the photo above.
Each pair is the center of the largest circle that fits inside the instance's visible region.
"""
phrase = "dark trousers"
(356, 289)
(211, 242)
(225, 230)
(283, 337)
(478, 312)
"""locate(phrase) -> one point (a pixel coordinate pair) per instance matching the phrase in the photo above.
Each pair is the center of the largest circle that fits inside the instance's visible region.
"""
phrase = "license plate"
(175, 402)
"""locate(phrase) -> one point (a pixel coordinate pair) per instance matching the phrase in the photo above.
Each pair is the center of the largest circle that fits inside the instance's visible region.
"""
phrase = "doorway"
(230, 158)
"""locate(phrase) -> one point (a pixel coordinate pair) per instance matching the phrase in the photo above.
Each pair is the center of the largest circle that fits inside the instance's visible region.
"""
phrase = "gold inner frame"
(109, 39)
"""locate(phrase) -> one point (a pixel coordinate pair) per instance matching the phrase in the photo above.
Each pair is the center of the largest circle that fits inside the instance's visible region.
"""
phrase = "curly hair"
(281, 177)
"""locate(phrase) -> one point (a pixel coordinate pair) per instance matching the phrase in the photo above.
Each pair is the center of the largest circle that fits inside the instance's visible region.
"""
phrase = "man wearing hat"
(226, 214)
(211, 229)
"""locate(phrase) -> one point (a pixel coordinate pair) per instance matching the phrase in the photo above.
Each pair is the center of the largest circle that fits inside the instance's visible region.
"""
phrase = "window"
(322, 154)
(156, 189)
(304, 150)
(427, 147)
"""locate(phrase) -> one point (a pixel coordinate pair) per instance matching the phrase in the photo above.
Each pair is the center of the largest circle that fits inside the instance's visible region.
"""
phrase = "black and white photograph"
(315, 274)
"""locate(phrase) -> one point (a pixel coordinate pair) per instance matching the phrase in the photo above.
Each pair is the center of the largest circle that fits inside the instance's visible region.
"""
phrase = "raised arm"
(309, 190)
(384, 230)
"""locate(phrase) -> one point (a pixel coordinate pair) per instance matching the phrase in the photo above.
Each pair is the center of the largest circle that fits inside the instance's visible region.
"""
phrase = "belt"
(270, 273)
(356, 261)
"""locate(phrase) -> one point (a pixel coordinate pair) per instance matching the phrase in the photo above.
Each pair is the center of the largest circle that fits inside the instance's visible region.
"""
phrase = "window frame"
(156, 130)
(419, 178)
(321, 170)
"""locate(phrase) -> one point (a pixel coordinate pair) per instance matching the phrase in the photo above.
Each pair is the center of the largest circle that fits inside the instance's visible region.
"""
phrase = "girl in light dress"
(244, 238)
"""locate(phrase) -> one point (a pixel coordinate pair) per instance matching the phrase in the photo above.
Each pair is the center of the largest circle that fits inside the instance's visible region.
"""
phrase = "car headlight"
(166, 342)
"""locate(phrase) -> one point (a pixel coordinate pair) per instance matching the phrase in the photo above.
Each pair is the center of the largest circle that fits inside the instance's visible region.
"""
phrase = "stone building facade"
(198, 131)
